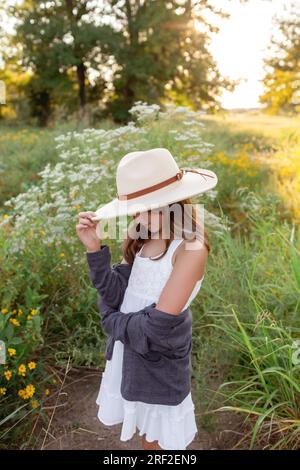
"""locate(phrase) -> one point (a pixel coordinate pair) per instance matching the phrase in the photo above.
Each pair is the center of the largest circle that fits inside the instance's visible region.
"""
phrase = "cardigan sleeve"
(148, 329)
(110, 281)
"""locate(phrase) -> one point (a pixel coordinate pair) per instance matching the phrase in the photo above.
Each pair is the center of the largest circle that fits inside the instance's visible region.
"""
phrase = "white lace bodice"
(148, 278)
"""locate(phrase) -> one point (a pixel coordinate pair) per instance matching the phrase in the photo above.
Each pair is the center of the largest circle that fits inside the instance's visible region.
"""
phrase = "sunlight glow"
(241, 45)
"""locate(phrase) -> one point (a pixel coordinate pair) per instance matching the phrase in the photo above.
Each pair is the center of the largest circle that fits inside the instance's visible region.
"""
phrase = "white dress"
(174, 427)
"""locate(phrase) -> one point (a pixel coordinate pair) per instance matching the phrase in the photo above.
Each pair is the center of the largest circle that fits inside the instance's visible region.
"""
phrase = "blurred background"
(92, 59)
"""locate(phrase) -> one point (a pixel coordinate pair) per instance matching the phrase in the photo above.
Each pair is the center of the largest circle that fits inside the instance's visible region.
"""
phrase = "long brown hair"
(130, 246)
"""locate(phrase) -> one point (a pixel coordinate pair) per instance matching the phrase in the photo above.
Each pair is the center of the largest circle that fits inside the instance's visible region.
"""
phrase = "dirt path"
(73, 421)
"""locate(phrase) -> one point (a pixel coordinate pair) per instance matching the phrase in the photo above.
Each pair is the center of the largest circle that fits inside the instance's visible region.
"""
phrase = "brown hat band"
(166, 182)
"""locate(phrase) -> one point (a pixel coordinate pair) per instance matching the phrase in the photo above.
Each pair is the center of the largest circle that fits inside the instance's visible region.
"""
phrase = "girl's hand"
(86, 231)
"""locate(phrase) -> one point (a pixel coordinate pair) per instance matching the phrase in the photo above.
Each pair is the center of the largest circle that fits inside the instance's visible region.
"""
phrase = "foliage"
(282, 79)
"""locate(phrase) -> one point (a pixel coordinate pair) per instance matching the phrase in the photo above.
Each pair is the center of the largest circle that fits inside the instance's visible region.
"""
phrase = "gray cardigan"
(157, 344)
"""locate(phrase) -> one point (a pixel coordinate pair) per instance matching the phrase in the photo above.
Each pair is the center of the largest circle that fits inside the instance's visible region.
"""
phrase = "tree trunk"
(43, 108)
(82, 90)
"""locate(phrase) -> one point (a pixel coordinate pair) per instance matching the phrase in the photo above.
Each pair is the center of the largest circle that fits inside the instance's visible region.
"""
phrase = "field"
(246, 322)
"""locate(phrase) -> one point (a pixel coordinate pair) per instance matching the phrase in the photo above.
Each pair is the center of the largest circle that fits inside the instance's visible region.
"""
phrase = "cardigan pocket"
(154, 358)
(165, 382)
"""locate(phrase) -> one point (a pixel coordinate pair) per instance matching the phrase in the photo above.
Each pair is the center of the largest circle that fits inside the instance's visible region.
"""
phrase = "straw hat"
(151, 179)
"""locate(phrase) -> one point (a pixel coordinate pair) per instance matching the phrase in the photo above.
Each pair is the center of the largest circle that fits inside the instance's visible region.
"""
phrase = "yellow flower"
(34, 403)
(62, 255)
(30, 389)
(27, 392)
(6, 216)
(2, 390)
(32, 365)
(14, 321)
(21, 393)
(14, 311)
(11, 351)
(47, 392)
(34, 311)
(28, 317)
(22, 370)
(4, 311)
(8, 374)
(20, 312)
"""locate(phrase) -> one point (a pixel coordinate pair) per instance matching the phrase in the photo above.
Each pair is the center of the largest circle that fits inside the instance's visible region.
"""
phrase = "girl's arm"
(189, 267)
(148, 329)
(110, 281)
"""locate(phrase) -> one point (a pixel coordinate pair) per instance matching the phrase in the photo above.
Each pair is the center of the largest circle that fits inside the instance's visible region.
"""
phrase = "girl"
(164, 270)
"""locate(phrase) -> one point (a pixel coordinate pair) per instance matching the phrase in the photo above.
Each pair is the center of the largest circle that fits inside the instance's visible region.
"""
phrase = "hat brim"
(191, 184)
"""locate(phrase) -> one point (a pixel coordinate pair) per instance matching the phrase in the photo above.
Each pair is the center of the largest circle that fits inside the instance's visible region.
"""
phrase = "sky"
(240, 45)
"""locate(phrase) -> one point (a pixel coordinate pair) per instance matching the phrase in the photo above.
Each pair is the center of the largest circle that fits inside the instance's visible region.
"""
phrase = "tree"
(59, 37)
(282, 79)
(150, 49)
(162, 56)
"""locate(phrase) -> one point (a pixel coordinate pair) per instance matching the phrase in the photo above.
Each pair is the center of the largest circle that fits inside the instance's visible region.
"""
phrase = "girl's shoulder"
(190, 251)
(194, 245)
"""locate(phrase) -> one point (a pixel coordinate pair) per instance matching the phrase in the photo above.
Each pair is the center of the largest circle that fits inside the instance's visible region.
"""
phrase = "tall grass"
(260, 355)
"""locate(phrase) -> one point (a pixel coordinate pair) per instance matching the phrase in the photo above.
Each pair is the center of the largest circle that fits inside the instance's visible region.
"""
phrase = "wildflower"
(32, 365)
(22, 393)
(6, 216)
(11, 351)
(2, 390)
(47, 392)
(34, 311)
(27, 392)
(28, 317)
(4, 310)
(34, 403)
(14, 311)
(20, 312)
(8, 374)
(22, 370)
(62, 255)
(30, 389)
(14, 321)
